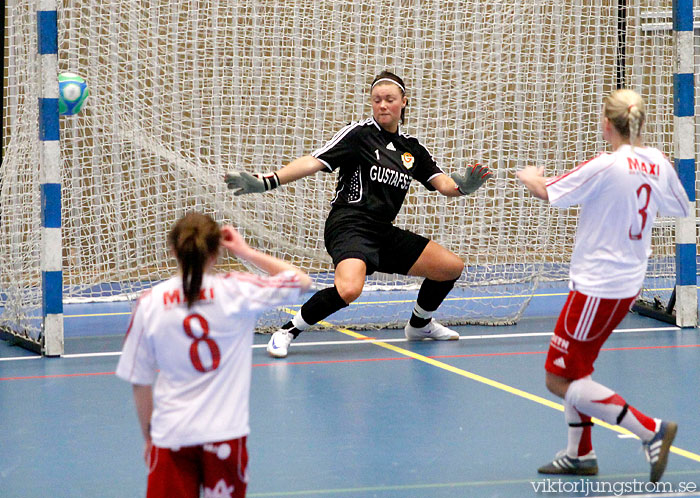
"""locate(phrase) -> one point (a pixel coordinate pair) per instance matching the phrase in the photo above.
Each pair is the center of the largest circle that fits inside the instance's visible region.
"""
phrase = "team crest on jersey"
(407, 160)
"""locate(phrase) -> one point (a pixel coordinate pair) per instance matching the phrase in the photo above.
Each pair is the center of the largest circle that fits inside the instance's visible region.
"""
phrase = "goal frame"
(51, 338)
(682, 306)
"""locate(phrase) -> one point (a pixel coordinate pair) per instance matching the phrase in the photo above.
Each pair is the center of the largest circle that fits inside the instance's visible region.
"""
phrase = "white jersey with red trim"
(203, 353)
(620, 195)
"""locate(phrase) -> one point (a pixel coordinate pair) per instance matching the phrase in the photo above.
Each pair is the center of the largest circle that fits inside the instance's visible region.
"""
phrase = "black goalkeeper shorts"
(382, 246)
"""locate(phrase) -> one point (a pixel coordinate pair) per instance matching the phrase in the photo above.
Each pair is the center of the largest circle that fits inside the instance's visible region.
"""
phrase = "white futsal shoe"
(279, 343)
(433, 330)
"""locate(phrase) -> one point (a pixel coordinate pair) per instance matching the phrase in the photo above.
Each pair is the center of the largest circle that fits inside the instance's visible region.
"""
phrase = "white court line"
(18, 358)
(91, 355)
(356, 341)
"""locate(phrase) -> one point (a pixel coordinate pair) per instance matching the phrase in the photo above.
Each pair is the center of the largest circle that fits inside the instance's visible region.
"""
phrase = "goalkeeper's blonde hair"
(625, 110)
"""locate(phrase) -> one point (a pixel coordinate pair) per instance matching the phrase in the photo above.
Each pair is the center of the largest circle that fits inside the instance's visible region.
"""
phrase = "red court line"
(57, 376)
(632, 348)
(629, 348)
(365, 360)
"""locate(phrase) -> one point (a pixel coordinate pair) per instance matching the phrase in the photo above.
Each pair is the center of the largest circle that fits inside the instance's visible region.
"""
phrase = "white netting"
(182, 91)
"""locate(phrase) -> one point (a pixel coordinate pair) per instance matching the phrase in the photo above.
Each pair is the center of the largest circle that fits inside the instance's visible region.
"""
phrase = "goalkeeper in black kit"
(377, 162)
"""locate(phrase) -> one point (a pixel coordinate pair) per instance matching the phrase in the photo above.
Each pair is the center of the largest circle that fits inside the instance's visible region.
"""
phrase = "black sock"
(289, 327)
(418, 322)
(431, 294)
(319, 306)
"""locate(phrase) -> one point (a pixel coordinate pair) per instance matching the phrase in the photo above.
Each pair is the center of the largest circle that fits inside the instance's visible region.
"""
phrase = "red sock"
(596, 400)
(631, 419)
(579, 434)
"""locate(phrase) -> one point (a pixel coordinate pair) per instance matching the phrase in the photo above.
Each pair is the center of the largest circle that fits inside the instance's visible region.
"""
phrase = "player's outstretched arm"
(233, 242)
(459, 184)
(472, 178)
(242, 182)
(534, 180)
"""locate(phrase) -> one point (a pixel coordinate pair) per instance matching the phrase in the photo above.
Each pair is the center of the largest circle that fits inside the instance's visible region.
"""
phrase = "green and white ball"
(72, 92)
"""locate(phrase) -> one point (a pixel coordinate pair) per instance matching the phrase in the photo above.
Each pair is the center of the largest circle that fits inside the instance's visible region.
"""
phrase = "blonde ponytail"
(635, 120)
(625, 110)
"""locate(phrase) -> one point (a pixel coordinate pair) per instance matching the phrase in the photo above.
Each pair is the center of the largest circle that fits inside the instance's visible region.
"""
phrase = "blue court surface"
(361, 413)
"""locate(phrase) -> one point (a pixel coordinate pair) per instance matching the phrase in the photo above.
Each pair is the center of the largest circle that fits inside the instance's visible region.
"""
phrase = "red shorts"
(584, 325)
(220, 468)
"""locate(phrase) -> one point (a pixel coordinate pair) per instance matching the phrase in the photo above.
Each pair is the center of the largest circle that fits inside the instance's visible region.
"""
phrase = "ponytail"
(625, 110)
(635, 120)
(195, 238)
(192, 260)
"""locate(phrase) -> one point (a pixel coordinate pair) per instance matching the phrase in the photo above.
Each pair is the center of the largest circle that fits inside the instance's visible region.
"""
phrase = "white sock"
(579, 433)
(421, 313)
(299, 322)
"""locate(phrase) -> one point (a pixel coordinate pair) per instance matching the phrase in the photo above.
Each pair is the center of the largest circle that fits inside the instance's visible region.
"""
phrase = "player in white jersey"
(188, 354)
(620, 194)
(376, 161)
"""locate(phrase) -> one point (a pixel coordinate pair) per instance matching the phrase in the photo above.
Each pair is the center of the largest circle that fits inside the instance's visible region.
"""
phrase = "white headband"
(390, 80)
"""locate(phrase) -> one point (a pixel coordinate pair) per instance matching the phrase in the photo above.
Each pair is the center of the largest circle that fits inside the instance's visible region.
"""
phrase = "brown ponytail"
(195, 238)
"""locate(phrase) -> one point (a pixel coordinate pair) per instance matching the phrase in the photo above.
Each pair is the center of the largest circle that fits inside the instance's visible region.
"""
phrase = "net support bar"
(684, 147)
(49, 175)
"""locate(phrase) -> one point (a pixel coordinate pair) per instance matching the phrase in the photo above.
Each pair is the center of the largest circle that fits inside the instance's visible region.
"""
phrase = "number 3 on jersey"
(204, 338)
(643, 210)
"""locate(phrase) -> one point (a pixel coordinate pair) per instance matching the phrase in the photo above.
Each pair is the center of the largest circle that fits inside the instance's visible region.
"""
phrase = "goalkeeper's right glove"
(473, 178)
(245, 183)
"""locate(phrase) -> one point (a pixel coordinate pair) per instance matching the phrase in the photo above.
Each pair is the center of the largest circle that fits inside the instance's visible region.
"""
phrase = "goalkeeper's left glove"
(245, 183)
(473, 178)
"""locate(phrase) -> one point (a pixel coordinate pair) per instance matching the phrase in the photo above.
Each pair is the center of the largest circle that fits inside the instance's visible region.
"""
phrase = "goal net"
(181, 92)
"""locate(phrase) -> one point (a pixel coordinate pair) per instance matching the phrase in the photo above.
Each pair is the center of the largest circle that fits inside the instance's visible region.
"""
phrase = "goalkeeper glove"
(473, 178)
(245, 183)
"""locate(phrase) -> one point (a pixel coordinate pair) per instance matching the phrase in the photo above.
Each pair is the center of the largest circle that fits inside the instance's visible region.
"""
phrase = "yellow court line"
(369, 303)
(472, 298)
(487, 381)
(480, 298)
(400, 301)
(92, 315)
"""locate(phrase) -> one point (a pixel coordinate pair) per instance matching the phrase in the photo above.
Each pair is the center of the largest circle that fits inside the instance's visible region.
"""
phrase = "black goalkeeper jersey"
(376, 168)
